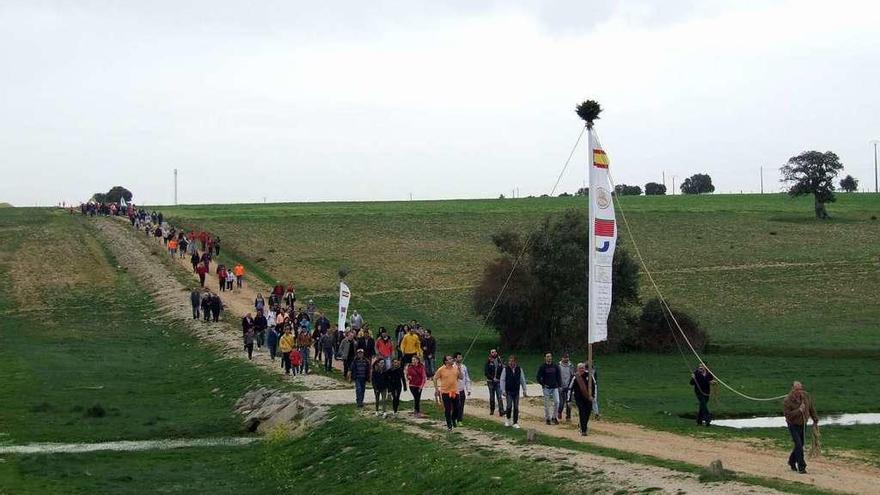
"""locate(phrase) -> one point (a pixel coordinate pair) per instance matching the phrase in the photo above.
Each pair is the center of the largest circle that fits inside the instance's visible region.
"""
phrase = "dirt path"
(595, 474)
(745, 457)
(125, 446)
(133, 251)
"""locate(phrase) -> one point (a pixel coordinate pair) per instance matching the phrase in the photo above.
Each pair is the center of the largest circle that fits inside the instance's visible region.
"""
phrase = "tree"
(583, 191)
(565, 195)
(813, 172)
(697, 184)
(118, 192)
(625, 190)
(543, 305)
(654, 189)
(99, 197)
(849, 184)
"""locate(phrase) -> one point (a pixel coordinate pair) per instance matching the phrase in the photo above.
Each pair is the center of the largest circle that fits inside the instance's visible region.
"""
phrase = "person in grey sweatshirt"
(567, 371)
(195, 298)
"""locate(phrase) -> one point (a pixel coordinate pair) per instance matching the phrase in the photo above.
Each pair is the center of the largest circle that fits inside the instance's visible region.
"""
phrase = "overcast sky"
(354, 100)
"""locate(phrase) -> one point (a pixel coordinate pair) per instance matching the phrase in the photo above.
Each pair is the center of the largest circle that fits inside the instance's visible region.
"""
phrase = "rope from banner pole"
(671, 314)
(523, 250)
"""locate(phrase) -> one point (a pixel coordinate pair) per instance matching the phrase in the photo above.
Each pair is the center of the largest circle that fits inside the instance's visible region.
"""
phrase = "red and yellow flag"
(600, 159)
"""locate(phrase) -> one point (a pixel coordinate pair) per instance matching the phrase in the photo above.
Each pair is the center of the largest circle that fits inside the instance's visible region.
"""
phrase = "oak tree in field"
(813, 172)
(654, 189)
(626, 190)
(849, 184)
(697, 184)
(118, 192)
(544, 303)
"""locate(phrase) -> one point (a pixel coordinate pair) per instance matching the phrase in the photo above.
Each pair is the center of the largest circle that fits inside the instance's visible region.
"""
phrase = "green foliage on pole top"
(589, 110)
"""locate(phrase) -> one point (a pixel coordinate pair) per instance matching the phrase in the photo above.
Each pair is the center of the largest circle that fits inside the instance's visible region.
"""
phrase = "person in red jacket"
(202, 270)
(221, 275)
(415, 375)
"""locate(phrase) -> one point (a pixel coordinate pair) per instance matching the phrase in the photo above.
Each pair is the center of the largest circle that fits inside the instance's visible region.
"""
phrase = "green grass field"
(782, 295)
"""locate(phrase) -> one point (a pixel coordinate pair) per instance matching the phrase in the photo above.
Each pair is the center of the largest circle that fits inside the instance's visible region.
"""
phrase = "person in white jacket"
(464, 386)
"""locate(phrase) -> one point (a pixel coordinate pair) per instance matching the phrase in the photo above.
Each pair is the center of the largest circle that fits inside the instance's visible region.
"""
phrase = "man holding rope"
(702, 381)
(796, 407)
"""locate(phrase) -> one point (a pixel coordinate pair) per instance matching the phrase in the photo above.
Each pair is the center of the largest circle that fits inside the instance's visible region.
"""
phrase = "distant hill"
(5, 205)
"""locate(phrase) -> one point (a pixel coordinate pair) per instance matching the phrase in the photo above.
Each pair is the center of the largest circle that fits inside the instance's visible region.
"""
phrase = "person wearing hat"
(360, 373)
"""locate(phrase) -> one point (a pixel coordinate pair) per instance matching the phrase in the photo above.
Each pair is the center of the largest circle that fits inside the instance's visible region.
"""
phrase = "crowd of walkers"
(297, 335)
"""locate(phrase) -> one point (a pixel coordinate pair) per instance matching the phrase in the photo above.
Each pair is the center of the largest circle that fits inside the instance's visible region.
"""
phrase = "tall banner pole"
(591, 249)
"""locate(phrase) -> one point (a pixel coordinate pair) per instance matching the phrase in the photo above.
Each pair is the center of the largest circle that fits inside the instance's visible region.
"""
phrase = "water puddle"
(124, 446)
(779, 421)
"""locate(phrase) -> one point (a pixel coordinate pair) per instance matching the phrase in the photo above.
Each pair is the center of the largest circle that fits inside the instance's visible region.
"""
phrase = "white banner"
(602, 241)
(344, 299)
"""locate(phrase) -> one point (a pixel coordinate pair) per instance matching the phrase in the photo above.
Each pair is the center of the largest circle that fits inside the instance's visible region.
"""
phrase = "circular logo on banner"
(603, 199)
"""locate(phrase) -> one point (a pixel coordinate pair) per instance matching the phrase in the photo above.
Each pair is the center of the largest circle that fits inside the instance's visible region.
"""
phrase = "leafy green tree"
(655, 189)
(626, 190)
(813, 172)
(118, 192)
(100, 197)
(849, 184)
(544, 304)
(697, 184)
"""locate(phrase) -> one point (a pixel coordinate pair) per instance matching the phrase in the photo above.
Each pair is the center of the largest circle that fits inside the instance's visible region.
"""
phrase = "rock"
(716, 468)
(531, 434)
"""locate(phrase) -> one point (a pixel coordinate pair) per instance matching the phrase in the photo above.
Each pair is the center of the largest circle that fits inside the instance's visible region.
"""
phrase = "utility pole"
(673, 185)
(875, 142)
(175, 187)
(664, 178)
(762, 180)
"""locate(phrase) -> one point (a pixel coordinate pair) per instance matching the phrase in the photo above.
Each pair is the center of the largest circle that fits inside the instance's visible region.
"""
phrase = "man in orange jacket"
(239, 274)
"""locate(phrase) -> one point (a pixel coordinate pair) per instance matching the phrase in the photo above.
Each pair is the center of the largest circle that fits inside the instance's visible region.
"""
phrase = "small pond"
(779, 421)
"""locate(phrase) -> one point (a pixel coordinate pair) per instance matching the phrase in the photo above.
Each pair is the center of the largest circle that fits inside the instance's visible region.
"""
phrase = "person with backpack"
(549, 376)
(416, 376)
(492, 370)
(512, 379)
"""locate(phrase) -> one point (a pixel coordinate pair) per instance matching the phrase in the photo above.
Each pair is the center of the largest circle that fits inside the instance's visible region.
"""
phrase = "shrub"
(657, 331)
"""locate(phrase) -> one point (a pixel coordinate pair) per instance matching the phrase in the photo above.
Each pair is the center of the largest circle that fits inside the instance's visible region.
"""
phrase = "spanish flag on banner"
(600, 159)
